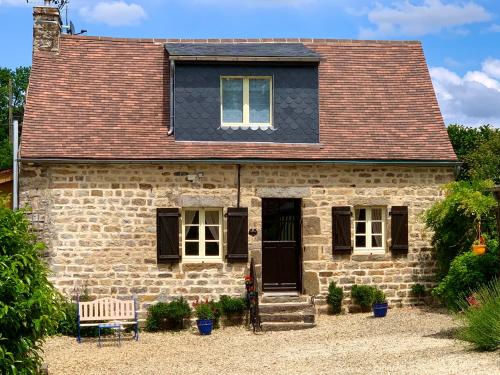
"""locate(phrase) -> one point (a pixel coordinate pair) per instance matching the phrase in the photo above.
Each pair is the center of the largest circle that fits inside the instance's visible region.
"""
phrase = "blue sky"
(461, 39)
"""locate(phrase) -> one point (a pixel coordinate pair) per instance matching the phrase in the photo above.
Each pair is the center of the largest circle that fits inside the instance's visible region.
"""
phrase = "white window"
(246, 101)
(369, 230)
(201, 233)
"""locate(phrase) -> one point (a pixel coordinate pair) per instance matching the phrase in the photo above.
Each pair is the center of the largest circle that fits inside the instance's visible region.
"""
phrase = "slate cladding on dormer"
(197, 91)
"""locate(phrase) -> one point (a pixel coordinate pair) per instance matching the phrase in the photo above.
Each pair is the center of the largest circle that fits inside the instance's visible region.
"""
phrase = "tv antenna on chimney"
(69, 27)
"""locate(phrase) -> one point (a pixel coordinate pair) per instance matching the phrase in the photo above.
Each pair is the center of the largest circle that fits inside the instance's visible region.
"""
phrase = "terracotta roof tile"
(106, 98)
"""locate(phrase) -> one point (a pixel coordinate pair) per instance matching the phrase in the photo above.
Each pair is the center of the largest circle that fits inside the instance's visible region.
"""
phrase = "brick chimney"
(46, 28)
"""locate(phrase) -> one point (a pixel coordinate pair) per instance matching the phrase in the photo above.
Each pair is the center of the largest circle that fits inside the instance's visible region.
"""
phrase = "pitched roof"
(288, 51)
(104, 98)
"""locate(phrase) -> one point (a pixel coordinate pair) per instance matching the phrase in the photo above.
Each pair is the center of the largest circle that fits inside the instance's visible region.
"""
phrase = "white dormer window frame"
(246, 121)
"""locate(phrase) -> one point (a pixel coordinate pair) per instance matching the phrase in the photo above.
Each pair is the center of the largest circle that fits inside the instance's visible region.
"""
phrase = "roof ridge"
(240, 40)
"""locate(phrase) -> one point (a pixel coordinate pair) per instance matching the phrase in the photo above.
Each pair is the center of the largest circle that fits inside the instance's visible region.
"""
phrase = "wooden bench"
(107, 310)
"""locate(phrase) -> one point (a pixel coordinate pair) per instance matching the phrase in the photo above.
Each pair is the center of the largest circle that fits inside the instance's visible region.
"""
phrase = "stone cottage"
(161, 167)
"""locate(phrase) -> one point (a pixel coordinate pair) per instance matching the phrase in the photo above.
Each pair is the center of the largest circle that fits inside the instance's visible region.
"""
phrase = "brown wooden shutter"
(237, 234)
(341, 229)
(167, 230)
(399, 229)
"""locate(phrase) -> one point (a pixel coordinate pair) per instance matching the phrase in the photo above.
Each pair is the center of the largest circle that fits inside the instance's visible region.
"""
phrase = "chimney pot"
(46, 28)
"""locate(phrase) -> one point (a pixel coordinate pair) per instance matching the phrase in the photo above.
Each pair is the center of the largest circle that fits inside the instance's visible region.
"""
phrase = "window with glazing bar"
(246, 101)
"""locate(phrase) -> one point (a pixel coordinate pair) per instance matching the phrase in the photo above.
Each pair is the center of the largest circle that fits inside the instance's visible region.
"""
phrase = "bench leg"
(136, 331)
(79, 337)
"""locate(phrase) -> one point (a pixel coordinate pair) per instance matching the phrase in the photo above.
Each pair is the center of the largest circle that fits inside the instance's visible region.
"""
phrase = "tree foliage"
(20, 77)
(453, 220)
(29, 304)
(478, 150)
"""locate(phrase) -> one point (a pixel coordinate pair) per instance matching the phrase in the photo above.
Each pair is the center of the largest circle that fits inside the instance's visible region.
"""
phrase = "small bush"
(467, 272)
(232, 305)
(204, 310)
(334, 298)
(481, 319)
(29, 304)
(363, 296)
(378, 296)
(418, 290)
(168, 316)
(68, 322)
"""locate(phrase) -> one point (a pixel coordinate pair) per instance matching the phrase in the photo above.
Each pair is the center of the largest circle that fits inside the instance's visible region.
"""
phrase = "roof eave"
(246, 59)
(401, 162)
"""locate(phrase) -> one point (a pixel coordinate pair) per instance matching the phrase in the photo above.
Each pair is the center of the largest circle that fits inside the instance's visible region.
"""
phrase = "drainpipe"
(15, 171)
(172, 87)
(239, 186)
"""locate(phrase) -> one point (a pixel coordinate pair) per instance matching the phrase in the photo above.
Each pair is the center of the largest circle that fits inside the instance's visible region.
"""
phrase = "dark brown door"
(281, 244)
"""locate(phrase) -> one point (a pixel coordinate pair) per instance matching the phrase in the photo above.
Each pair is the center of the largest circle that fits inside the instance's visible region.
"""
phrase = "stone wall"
(99, 222)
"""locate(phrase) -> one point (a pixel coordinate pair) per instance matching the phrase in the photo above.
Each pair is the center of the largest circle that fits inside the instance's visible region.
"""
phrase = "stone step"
(288, 318)
(283, 298)
(286, 307)
(283, 326)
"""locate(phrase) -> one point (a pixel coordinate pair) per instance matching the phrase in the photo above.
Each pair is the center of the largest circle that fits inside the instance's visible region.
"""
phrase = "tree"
(484, 161)
(466, 141)
(29, 304)
(20, 77)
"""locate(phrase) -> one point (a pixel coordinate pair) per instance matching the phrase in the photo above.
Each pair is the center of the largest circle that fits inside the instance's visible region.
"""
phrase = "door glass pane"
(192, 217)
(211, 248)
(192, 233)
(211, 217)
(211, 233)
(287, 225)
(360, 241)
(360, 214)
(259, 97)
(377, 227)
(192, 248)
(232, 100)
(361, 227)
(377, 241)
(376, 214)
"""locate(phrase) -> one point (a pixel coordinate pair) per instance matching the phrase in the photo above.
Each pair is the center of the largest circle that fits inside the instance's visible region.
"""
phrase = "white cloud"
(492, 67)
(494, 28)
(430, 16)
(472, 99)
(114, 13)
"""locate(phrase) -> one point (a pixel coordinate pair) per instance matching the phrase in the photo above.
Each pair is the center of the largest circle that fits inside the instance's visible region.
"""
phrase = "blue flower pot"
(380, 309)
(205, 326)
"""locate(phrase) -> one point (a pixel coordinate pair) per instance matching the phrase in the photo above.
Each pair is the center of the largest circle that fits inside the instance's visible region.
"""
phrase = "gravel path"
(407, 341)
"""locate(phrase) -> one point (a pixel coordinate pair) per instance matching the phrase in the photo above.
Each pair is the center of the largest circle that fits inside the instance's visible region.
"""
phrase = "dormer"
(244, 92)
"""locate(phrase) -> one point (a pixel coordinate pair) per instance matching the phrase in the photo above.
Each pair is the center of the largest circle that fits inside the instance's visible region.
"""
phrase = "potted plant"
(418, 290)
(334, 298)
(233, 309)
(479, 244)
(380, 304)
(204, 311)
(363, 296)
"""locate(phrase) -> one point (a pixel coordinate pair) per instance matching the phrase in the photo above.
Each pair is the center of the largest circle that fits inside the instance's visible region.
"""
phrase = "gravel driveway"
(407, 341)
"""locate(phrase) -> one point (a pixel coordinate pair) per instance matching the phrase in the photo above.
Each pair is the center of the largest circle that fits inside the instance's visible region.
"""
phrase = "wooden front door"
(281, 244)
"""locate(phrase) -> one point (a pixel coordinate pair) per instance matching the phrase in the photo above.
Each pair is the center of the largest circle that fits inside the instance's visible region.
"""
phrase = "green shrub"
(467, 272)
(418, 290)
(168, 316)
(378, 296)
(453, 220)
(204, 310)
(481, 318)
(363, 296)
(29, 304)
(232, 305)
(68, 322)
(334, 298)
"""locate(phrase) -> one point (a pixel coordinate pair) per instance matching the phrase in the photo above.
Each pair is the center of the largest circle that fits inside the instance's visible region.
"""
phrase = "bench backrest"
(106, 309)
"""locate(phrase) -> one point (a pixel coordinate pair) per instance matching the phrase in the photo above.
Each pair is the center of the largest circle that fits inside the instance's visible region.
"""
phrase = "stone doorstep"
(286, 307)
(283, 298)
(287, 318)
(280, 326)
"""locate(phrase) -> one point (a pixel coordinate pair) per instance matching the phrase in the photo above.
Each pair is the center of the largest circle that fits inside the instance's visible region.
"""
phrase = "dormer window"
(246, 101)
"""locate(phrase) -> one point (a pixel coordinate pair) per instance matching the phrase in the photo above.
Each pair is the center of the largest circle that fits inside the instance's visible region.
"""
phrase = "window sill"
(247, 127)
(203, 260)
(368, 252)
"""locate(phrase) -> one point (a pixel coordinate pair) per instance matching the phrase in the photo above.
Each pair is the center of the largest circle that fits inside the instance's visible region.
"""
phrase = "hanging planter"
(479, 245)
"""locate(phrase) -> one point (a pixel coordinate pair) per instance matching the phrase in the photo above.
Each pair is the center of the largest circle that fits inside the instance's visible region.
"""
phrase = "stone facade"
(99, 222)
